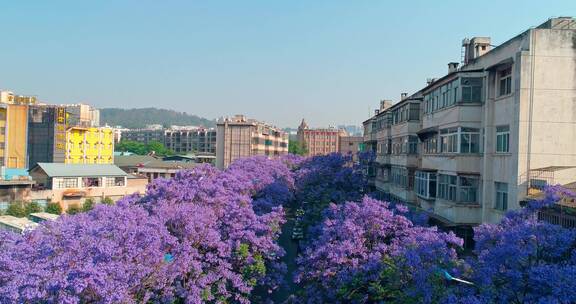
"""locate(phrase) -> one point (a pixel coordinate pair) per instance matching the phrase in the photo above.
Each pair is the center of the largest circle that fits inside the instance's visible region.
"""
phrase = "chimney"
(475, 47)
(429, 81)
(385, 104)
(377, 111)
(403, 96)
(452, 67)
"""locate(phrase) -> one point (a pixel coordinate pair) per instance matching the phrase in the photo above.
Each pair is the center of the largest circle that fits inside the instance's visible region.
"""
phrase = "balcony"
(383, 159)
(456, 162)
(405, 160)
(457, 213)
(468, 112)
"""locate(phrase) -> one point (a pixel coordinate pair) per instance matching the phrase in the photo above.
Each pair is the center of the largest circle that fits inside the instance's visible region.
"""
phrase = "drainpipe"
(531, 105)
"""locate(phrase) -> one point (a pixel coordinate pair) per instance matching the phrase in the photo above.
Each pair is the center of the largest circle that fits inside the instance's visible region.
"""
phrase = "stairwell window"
(505, 81)
(502, 139)
(501, 202)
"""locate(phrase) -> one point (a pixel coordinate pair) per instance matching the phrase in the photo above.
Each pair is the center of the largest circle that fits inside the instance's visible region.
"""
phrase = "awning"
(427, 133)
(74, 193)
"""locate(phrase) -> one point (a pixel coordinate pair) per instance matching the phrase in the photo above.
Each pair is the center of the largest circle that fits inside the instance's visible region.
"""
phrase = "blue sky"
(328, 61)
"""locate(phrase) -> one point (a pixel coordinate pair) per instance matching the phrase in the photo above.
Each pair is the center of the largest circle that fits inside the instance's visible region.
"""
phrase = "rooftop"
(80, 170)
(20, 223)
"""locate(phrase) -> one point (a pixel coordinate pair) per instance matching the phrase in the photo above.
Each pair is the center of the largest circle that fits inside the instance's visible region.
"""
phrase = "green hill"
(139, 118)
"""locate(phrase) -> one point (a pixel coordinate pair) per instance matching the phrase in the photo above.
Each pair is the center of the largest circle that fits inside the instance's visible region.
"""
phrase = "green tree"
(74, 209)
(88, 205)
(158, 148)
(295, 147)
(107, 201)
(54, 208)
(131, 146)
(143, 149)
(32, 207)
(16, 209)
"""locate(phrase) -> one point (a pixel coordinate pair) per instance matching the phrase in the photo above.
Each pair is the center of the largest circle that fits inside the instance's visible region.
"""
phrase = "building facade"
(193, 140)
(319, 141)
(89, 145)
(144, 136)
(475, 143)
(239, 137)
(83, 115)
(13, 133)
(47, 127)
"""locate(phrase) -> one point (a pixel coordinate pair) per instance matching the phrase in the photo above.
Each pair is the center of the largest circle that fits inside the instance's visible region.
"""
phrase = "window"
(91, 182)
(412, 144)
(502, 139)
(430, 145)
(469, 140)
(399, 176)
(68, 182)
(501, 202)
(425, 184)
(468, 189)
(447, 187)
(414, 111)
(115, 182)
(505, 81)
(471, 89)
(449, 140)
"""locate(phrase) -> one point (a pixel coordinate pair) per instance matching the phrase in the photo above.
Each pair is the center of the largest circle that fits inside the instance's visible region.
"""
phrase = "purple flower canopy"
(212, 236)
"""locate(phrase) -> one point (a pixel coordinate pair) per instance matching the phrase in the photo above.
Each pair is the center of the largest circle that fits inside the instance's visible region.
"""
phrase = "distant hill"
(139, 118)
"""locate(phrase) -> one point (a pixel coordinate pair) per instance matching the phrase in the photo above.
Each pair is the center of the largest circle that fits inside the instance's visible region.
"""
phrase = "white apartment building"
(238, 137)
(473, 144)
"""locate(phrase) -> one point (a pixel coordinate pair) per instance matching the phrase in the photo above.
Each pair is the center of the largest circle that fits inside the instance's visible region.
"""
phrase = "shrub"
(74, 210)
(54, 208)
(32, 207)
(107, 201)
(88, 205)
(16, 209)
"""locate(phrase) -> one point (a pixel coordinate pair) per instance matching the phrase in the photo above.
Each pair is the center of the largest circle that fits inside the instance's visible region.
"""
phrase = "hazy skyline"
(327, 61)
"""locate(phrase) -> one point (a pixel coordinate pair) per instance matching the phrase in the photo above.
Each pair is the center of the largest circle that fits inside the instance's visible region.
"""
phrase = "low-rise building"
(39, 217)
(16, 224)
(239, 137)
(71, 184)
(150, 167)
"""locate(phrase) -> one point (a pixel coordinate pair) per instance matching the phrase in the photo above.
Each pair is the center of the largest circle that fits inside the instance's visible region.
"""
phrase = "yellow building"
(13, 134)
(89, 145)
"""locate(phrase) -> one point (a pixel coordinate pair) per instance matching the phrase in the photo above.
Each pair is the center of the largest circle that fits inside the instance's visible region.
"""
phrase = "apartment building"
(319, 141)
(475, 143)
(191, 140)
(239, 137)
(144, 136)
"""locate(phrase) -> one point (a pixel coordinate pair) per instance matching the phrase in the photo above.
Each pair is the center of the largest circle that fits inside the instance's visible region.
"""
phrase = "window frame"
(501, 196)
(504, 136)
(505, 81)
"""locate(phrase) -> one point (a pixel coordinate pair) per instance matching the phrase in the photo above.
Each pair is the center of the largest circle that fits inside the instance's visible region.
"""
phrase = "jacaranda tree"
(524, 260)
(192, 238)
(368, 252)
